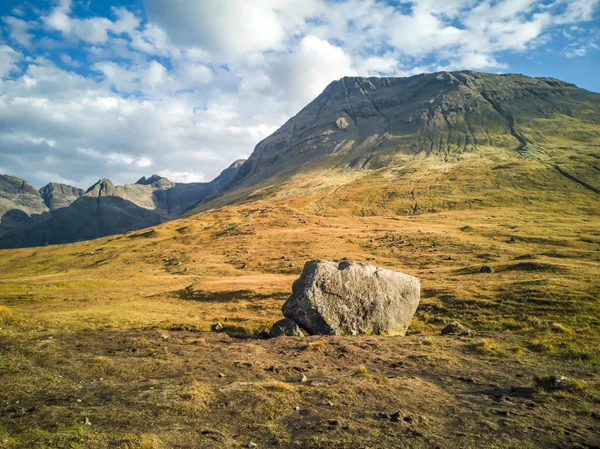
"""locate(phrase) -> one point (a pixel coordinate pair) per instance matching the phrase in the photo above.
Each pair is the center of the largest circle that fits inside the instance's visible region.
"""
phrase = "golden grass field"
(118, 330)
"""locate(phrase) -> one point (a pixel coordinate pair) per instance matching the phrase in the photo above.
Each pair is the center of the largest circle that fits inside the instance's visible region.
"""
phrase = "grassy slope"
(114, 322)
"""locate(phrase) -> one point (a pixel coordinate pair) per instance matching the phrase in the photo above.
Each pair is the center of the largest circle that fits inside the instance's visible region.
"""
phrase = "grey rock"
(302, 378)
(556, 382)
(342, 123)
(455, 328)
(285, 327)
(349, 298)
(217, 327)
(486, 269)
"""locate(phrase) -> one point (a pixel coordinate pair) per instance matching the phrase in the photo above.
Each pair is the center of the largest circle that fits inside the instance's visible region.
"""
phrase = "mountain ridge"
(58, 213)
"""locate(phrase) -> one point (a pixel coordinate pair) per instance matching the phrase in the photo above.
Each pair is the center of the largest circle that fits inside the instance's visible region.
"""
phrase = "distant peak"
(102, 187)
(151, 180)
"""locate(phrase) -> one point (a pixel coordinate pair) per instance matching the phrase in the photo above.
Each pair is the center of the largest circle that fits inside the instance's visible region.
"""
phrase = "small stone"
(330, 404)
(79, 401)
(221, 375)
(285, 327)
(455, 328)
(87, 422)
(486, 269)
(297, 408)
(251, 444)
(302, 378)
(218, 327)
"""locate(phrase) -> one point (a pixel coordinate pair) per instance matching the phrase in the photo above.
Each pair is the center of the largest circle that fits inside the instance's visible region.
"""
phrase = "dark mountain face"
(369, 123)
(61, 214)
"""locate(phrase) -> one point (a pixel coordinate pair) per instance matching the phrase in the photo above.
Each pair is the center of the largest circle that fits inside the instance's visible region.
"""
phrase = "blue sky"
(121, 89)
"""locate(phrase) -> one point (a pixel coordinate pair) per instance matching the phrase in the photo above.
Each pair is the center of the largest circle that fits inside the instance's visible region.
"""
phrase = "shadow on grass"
(190, 294)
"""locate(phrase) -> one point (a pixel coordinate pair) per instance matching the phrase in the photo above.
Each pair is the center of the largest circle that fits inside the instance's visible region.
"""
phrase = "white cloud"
(576, 52)
(8, 60)
(24, 138)
(304, 74)
(68, 61)
(19, 30)
(227, 27)
(93, 30)
(114, 158)
(421, 32)
(183, 176)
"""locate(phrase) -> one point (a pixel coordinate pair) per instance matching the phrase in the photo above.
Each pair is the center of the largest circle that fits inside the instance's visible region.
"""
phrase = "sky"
(121, 89)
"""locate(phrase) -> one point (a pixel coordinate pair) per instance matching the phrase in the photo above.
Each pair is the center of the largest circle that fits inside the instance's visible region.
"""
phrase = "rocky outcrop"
(58, 213)
(349, 298)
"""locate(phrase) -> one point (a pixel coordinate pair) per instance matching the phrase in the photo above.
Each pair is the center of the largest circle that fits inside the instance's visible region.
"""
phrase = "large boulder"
(349, 298)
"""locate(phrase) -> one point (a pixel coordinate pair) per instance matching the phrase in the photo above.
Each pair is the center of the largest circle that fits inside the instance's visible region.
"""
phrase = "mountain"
(59, 213)
(430, 142)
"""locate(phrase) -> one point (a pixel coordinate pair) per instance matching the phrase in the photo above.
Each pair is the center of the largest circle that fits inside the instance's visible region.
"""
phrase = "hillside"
(118, 329)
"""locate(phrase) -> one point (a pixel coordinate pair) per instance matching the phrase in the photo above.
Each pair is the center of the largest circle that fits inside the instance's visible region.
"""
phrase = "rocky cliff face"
(56, 196)
(19, 195)
(22, 205)
(362, 123)
(59, 213)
